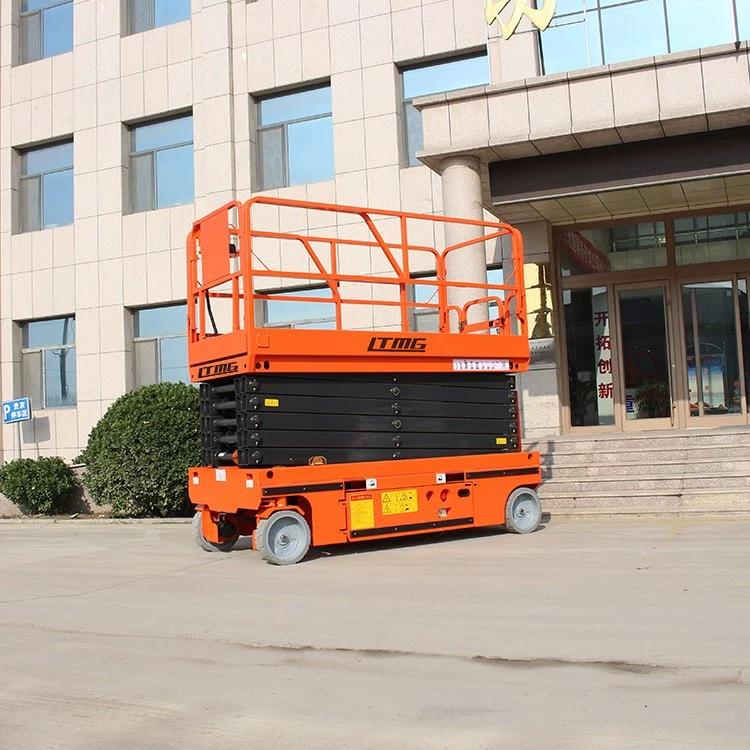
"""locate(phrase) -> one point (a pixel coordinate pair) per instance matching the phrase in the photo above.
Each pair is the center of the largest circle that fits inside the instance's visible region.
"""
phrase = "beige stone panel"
(349, 146)
(62, 113)
(6, 295)
(556, 144)
(110, 282)
(591, 103)
(5, 78)
(131, 54)
(216, 76)
(379, 85)
(286, 17)
(377, 43)
(20, 123)
(726, 82)
(259, 22)
(63, 245)
(260, 66)
(20, 83)
(345, 47)
(293, 219)
(84, 23)
(108, 102)
(87, 238)
(239, 70)
(85, 198)
(383, 187)
(159, 277)
(180, 85)
(244, 165)
(351, 190)
(438, 28)
(238, 25)
(108, 14)
(179, 274)
(87, 285)
(517, 58)
(156, 93)
(549, 111)
(635, 96)
(22, 296)
(157, 230)
(108, 59)
(84, 65)
(63, 290)
(416, 189)
(214, 24)
(540, 400)
(216, 118)
(42, 251)
(408, 39)
(89, 376)
(374, 8)
(110, 236)
(470, 25)
(179, 42)
(114, 366)
(508, 117)
(87, 331)
(110, 145)
(347, 96)
(595, 138)
(134, 280)
(181, 220)
(85, 151)
(342, 11)
(62, 72)
(155, 48)
(89, 413)
(382, 140)
(437, 192)
(684, 125)
(134, 234)
(38, 436)
(314, 15)
(469, 123)
(316, 55)
(41, 286)
(218, 168)
(41, 80)
(20, 258)
(112, 331)
(640, 132)
(84, 107)
(680, 89)
(436, 125)
(41, 118)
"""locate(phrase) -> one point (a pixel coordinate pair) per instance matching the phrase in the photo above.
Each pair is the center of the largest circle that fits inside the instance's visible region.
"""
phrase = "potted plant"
(652, 399)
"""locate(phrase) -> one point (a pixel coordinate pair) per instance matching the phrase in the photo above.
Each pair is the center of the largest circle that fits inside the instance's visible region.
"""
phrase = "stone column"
(462, 198)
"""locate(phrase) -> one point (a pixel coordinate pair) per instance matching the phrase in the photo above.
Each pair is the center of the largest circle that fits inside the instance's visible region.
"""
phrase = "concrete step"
(654, 484)
(668, 467)
(638, 456)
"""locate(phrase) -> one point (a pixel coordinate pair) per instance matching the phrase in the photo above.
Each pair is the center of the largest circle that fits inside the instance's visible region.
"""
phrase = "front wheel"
(523, 511)
(283, 538)
(203, 543)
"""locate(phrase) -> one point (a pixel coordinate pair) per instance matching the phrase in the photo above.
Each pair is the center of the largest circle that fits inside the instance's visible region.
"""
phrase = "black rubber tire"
(523, 511)
(203, 543)
(283, 538)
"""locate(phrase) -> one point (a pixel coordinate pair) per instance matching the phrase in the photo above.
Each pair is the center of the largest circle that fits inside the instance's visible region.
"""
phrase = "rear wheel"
(283, 538)
(523, 511)
(203, 543)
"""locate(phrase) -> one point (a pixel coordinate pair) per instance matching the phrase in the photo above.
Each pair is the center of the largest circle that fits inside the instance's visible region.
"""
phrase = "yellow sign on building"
(540, 17)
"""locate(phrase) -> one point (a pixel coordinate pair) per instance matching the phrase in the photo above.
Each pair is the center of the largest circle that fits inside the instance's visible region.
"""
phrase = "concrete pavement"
(589, 633)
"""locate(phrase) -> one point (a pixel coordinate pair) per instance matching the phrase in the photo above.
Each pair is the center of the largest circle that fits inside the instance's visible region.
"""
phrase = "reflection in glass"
(60, 377)
(695, 23)
(174, 176)
(58, 199)
(299, 313)
(645, 357)
(310, 150)
(712, 361)
(49, 362)
(158, 321)
(57, 25)
(170, 11)
(588, 339)
(711, 239)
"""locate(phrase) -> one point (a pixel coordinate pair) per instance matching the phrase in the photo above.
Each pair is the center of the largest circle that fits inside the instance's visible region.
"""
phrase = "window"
(587, 33)
(150, 14)
(427, 319)
(710, 239)
(298, 313)
(161, 164)
(160, 345)
(295, 138)
(46, 28)
(48, 362)
(435, 78)
(47, 187)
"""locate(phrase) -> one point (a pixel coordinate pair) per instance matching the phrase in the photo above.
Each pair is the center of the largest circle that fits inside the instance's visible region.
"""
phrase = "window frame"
(24, 58)
(132, 153)
(131, 24)
(40, 350)
(284, 127)
(410, 160)
(23, 219)
(158, 338)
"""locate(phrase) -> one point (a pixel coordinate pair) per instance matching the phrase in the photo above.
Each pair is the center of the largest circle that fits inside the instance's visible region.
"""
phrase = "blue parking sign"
(17, 410)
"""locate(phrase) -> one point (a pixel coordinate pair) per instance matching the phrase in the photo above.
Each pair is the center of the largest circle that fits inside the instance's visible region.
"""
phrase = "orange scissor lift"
(357, 423)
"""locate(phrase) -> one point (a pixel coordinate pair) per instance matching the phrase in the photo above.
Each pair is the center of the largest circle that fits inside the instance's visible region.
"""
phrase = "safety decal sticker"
(399, 501)
(271, 402)
(362, 514)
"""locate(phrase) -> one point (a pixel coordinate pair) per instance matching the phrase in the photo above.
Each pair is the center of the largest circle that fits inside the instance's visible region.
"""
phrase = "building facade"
(617, 140)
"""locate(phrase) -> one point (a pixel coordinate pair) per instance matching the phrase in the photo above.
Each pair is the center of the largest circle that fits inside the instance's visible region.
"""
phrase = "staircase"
(705, 470)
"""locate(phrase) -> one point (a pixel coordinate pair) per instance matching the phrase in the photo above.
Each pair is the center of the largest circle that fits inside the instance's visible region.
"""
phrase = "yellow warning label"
(501, 441)
(362, 514)
(399, 501)
(271, 402)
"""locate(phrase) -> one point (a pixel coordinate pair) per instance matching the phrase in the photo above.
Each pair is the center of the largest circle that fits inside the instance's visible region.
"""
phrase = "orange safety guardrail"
(235, 258)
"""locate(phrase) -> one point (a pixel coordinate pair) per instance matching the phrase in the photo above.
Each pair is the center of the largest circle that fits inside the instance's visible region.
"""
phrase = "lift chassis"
(326, 433)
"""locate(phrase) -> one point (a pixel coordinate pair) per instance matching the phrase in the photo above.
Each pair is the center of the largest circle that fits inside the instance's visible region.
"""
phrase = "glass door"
(714, 367)
(645, 360)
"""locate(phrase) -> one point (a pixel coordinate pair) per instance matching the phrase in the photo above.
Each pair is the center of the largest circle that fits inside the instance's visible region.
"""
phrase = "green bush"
(138, 454)
(37, 486)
